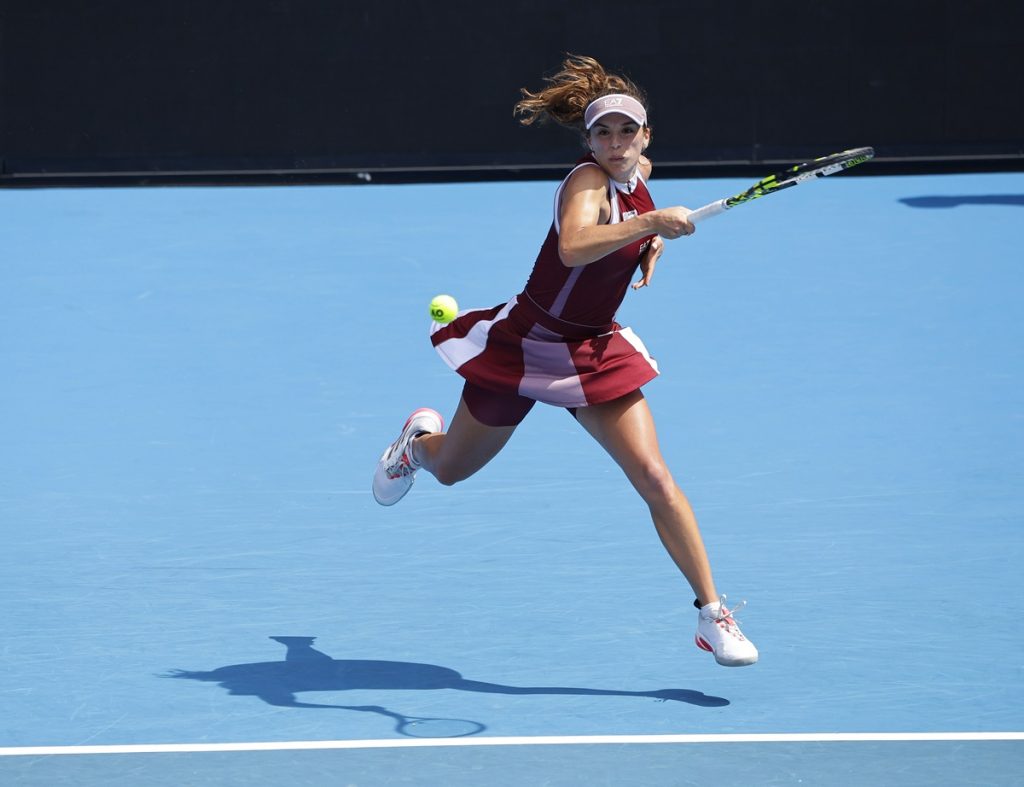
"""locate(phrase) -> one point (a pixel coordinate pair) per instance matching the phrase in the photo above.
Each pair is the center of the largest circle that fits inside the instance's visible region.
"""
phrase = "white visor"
(618, 102)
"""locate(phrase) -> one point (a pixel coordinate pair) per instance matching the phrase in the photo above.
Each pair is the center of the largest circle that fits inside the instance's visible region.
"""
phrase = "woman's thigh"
(625, 429)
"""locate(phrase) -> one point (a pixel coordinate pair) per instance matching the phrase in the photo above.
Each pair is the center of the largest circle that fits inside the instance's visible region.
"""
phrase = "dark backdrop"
(306, 86)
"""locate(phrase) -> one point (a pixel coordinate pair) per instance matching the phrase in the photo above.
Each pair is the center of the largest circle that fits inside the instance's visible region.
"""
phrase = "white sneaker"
(718, 633)
(396, 469)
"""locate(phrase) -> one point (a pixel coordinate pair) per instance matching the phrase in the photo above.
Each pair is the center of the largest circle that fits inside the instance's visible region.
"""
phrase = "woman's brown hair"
(564, 100)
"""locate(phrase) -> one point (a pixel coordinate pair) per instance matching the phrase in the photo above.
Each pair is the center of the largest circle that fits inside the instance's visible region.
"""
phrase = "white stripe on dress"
(560, 189)
(549, 374)
(638, 345)
(458, 351)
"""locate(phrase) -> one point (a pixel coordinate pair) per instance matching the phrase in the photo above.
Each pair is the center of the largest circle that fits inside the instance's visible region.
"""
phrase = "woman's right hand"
(672, 223)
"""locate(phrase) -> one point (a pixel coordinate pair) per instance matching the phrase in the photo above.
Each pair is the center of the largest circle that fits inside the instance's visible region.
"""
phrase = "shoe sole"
(703, 644)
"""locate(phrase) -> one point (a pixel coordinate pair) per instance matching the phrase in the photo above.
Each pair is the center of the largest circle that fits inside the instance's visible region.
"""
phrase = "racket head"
(828, 165)
(817, 168)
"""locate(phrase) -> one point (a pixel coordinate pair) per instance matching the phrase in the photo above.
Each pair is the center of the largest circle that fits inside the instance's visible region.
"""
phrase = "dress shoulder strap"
(612, 198)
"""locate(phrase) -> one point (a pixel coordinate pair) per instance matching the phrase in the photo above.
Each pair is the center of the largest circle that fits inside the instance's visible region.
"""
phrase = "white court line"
(545, 740)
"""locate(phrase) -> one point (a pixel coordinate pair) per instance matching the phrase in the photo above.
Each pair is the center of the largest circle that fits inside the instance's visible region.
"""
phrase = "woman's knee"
(654, 481)
(448, 475)
(450, 467)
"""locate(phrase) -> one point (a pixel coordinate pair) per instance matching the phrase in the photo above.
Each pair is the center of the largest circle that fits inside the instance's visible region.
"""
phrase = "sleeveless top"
(590, 294)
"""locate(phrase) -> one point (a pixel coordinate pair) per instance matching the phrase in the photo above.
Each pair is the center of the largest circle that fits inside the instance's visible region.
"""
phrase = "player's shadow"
(306, 669)
(955, 201)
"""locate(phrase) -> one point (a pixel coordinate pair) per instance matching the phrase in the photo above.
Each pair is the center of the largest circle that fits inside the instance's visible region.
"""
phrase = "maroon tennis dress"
(557, 342)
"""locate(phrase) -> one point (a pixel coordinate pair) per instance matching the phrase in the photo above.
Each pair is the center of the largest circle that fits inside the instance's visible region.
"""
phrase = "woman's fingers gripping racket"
(673, 222)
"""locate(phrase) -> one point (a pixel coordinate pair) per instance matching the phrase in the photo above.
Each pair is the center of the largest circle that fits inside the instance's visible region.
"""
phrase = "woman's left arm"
(648, 262)
(657, 246)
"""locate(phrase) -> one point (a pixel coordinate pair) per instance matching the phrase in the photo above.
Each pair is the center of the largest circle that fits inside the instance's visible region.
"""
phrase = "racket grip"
(712, 209)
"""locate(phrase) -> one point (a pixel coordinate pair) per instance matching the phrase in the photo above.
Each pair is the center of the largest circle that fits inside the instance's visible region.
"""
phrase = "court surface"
(197, 384)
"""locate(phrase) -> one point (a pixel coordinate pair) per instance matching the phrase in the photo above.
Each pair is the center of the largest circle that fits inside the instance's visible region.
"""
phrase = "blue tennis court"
(198, 587)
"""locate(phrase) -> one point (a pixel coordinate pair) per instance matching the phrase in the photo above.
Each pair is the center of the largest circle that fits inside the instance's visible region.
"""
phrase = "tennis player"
(557, 342)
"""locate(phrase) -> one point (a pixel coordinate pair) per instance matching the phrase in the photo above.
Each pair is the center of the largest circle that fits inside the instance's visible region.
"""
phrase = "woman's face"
(617, 143)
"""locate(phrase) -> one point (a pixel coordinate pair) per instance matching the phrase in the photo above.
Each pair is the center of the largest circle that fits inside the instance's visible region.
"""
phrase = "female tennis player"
(557, 342)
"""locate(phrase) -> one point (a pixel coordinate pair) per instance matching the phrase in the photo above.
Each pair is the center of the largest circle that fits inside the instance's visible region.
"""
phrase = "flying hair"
(569, 91)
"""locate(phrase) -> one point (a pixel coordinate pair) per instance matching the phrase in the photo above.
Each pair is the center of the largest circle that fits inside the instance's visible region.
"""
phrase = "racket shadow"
(305, 669)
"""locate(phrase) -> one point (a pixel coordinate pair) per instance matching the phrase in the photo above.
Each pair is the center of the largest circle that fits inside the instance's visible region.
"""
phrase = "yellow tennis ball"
(443, 309)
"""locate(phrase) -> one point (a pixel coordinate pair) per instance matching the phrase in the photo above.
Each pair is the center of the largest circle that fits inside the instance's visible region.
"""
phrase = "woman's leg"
(466, 447)
(625, 428)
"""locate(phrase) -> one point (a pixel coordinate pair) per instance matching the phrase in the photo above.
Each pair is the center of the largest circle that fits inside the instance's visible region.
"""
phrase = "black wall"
(177, 86)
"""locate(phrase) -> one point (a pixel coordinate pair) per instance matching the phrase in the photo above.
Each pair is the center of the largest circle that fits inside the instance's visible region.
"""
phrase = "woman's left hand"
(649, 261)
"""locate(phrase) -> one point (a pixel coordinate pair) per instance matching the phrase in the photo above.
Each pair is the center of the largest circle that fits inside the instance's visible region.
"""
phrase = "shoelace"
(725, 615)
(404, 464)
(401, 468)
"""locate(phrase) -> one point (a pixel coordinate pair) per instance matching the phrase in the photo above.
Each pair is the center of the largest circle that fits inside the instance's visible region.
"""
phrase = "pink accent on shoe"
(424, 410)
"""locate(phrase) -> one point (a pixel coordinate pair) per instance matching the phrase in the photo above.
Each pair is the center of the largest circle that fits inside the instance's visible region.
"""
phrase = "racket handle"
(712, 209)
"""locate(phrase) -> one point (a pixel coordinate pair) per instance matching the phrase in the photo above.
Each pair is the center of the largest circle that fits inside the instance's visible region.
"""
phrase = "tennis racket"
(819, 168)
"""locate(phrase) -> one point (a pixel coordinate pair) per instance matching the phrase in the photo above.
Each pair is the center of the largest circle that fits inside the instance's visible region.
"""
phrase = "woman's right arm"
(584, 237)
